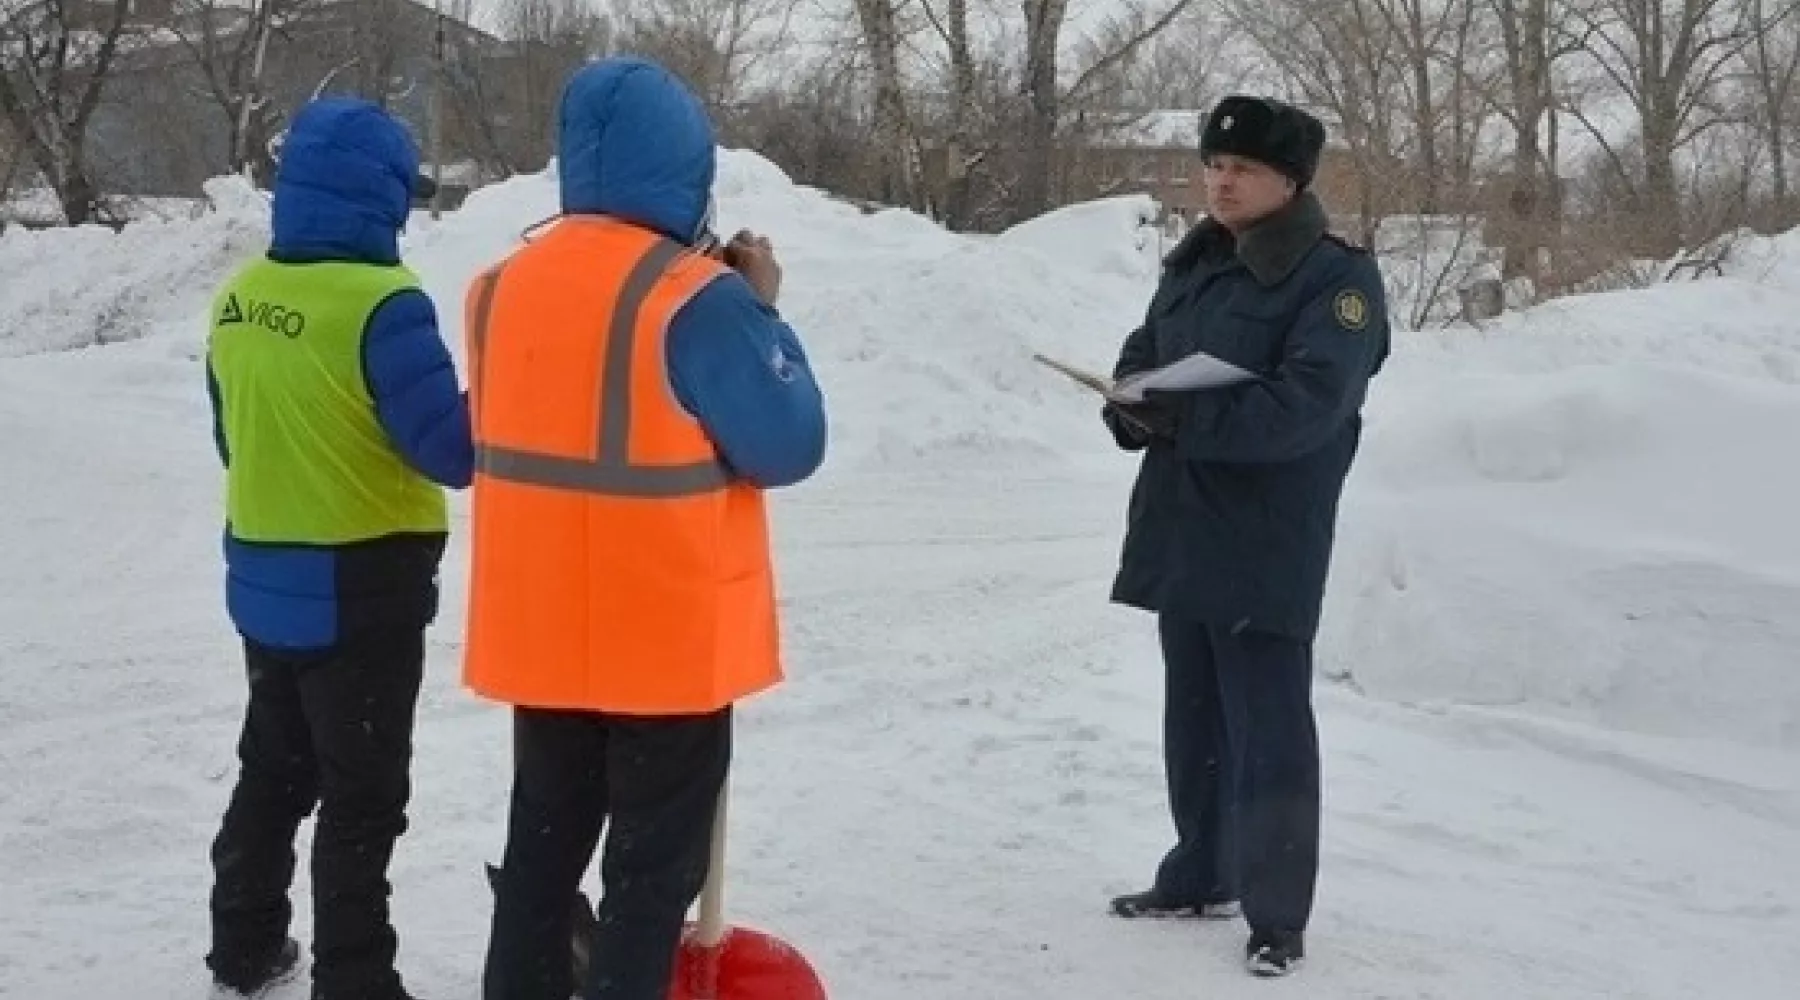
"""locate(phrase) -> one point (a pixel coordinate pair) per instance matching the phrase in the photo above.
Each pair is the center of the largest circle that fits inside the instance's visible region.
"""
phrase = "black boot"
(255, 979)
(389, 990)
(1272, 954)
(1157, 904)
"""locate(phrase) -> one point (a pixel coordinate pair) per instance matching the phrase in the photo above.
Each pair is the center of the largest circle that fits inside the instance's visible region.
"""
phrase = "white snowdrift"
(922, 337)
(1612, 542)
(1581, 512)
(1581, 508)
(1116, 237)
(89, 286)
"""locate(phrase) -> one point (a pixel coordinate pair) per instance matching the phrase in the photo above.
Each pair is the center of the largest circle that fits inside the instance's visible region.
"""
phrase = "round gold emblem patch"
(1352, 309)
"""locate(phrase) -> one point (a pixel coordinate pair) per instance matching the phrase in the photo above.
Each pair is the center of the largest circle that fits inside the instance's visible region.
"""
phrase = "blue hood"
(345, 184)
(635, 144)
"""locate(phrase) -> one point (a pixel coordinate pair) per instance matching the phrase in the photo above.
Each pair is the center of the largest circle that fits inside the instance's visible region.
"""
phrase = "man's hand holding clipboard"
(1142, 421)
(1127, 397)
(1196, 371)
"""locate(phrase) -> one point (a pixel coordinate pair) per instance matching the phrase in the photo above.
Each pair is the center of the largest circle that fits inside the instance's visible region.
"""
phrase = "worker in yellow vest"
(633, 397)
(340, 422)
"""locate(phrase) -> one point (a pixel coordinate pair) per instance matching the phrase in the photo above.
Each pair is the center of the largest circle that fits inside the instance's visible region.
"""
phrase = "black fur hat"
(1264, 129)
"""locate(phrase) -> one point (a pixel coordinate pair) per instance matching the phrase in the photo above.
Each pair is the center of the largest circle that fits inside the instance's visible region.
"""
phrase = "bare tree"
(963, 152)
(1043, 35)
(1719, 189)
(1341, 58)
(816, 128)
(227, 43)
(502, 106)
(1667, 59)
(57, 57)
(379, 43)
(470, 99)
(1045, 95)
(1774, 65)
(896, 144)
(1186, 66)
(1534, 40)
(717, 46)
(1431, 47)
(12, 162)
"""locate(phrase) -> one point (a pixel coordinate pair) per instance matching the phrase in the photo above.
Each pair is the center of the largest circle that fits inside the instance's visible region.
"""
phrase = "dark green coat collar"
(1271, 249)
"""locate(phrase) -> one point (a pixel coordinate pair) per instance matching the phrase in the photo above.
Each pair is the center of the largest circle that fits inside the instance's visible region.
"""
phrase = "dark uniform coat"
(1233, 514)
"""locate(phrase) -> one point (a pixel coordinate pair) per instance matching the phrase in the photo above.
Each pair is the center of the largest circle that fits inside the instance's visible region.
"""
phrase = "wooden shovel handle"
(711, 929)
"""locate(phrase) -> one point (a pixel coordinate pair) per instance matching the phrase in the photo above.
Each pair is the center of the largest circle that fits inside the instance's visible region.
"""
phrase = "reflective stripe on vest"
(610, 472)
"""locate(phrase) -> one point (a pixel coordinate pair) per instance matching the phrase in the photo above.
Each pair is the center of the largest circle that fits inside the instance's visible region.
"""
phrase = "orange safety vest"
(617, 566)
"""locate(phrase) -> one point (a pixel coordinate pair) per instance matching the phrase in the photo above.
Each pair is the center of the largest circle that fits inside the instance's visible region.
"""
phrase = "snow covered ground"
(1561, 719)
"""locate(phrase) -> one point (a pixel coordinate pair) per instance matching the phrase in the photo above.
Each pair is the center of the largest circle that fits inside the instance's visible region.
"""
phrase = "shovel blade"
(746, 964)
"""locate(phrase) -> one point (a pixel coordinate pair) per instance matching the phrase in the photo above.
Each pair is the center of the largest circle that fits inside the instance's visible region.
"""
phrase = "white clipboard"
(1196, 371)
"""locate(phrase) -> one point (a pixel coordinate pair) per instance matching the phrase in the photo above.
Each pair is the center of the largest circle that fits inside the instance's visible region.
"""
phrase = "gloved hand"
(1135, 425)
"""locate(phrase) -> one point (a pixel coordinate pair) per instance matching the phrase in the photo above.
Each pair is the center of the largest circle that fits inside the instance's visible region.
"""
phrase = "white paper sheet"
(1196, 371)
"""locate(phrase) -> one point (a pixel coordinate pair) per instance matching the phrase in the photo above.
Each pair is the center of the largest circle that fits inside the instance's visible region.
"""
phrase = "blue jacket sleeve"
(740, 370)
(413, 382)
(1337, 343)
(218, 415)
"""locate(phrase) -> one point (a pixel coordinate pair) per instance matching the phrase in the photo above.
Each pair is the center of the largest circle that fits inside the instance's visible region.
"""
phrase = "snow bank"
(1112, 236)
(89, 286)
(1574, 525)
(1724, 325)
(1581, 511)
(1588, 508)
(1584, 508)
(922, 338)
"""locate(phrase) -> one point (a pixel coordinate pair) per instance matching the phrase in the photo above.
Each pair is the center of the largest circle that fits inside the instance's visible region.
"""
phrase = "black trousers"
(332, 729)
(1241, 750)
(654, 784)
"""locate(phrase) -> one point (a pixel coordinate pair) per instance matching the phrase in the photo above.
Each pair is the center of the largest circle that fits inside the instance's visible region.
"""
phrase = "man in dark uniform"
(1233, 515)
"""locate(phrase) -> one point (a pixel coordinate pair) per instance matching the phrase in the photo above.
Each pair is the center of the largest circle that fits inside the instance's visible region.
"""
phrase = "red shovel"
(717, 962)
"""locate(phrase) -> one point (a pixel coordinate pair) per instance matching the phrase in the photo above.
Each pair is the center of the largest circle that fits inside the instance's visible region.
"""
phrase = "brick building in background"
(162, 126)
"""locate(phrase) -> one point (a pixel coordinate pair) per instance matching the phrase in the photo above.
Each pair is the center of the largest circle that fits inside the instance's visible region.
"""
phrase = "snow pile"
(39, 206)
(1582, 511)
(1582, 508)
(1587, 508)
(1722, 325)
(1600, 526)
(1116, 236)
(89, 286)
(922, 338)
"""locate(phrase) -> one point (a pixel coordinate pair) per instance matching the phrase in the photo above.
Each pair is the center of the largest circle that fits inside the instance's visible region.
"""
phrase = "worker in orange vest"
(633, 396)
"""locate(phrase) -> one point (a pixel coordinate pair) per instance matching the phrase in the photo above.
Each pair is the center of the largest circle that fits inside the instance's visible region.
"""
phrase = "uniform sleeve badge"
(1351, 308)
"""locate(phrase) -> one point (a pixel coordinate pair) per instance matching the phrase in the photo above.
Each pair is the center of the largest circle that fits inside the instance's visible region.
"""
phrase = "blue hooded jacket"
(635, 144)
(345, 186)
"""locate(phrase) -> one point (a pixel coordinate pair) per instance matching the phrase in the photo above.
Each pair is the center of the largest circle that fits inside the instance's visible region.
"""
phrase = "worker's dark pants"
(654, 784)
(331, 728)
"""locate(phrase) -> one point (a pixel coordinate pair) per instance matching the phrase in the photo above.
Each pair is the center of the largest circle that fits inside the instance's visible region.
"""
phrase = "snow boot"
(1155, 904)
(1271, 954)
(255, 981)
(391, 990)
